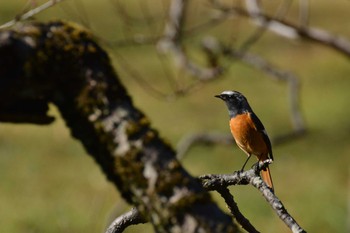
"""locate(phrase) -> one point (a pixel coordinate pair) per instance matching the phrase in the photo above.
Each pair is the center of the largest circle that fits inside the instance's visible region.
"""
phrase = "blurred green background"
(49, 184)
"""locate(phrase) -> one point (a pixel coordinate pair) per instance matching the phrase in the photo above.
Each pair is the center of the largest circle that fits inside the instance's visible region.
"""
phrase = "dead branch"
(60, 63)
(132, 217)
(218, 182)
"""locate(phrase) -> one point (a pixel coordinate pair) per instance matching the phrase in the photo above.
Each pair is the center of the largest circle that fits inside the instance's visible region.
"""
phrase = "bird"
(248, 131)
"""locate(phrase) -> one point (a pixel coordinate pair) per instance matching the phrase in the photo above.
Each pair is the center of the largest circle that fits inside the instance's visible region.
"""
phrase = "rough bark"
(222, 181)
(60, 63)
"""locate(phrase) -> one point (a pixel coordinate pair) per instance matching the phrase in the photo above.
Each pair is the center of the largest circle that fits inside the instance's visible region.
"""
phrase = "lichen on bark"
(61, 63)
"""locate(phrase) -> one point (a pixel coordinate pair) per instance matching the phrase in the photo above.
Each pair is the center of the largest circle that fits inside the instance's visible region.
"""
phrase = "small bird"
(248, 131)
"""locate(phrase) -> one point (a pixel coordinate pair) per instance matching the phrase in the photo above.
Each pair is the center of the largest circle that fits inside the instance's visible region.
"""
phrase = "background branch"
(285, 28)
(171, 42)
(30, 13)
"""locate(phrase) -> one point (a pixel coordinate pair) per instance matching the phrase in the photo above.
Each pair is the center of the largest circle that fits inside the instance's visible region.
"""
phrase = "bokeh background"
(49, 184)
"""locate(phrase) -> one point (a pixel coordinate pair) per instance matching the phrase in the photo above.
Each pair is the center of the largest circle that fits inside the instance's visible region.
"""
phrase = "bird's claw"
(260, 165)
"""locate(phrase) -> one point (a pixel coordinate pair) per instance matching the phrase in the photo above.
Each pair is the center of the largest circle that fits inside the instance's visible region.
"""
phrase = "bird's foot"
(261, 165)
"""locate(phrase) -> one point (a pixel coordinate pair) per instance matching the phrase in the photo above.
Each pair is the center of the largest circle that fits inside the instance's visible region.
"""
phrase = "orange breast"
(247, 137)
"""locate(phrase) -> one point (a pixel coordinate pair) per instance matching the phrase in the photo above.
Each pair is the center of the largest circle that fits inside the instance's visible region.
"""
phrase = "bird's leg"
(245, 162)
(256, 167)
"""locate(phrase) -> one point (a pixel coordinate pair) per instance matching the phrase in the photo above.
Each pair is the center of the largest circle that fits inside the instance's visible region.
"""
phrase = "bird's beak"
(218, 96)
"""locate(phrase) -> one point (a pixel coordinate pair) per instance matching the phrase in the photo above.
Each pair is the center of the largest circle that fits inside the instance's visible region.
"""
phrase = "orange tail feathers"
(266, 176)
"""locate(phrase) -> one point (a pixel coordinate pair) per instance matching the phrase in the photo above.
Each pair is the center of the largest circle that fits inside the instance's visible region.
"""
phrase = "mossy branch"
(60, 63)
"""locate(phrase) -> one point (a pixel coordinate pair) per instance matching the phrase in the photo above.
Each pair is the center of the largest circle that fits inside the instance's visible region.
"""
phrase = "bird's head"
(235, 101)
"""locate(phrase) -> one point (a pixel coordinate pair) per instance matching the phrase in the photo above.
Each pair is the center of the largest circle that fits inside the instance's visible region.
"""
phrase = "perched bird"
(248, 131)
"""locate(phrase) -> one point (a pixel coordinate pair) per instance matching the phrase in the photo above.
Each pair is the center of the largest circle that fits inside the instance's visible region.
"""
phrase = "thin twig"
(30, 13)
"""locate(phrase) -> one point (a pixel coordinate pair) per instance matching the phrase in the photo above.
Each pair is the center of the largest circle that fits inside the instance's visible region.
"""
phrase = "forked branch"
(221, 181)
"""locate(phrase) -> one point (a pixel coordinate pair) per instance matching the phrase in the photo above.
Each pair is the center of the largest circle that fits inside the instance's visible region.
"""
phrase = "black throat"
(237, 109)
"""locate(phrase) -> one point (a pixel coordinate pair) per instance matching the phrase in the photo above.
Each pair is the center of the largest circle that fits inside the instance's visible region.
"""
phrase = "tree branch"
(287, 29)
(218, 182)
(60, 63)
(233, 207)
(132, 217)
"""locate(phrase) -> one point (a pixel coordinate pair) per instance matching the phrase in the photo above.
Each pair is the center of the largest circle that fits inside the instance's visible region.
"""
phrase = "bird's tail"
(266, 176)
